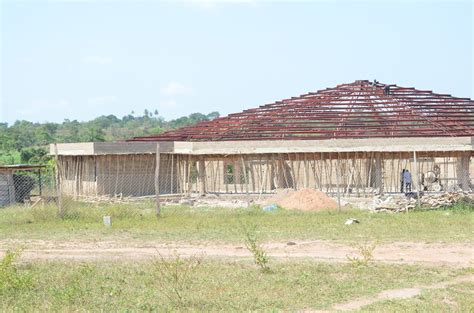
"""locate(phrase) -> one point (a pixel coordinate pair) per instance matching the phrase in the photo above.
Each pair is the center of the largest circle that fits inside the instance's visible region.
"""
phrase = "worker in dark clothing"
(386, 90)
(407, 180)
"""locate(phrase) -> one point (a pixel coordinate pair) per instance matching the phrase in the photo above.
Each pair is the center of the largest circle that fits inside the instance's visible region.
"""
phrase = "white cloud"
(167, 104)
(103, 100)
(175, 89)
(96, 60)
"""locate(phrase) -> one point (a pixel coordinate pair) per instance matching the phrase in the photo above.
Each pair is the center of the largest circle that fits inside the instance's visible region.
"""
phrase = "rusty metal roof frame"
(361, 109)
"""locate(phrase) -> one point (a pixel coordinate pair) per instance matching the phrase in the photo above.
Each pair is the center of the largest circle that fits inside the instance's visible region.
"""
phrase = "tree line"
(27, 142)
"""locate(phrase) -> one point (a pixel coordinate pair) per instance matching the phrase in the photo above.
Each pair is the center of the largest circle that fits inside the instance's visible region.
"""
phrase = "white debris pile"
(401, 204)
(208, 202)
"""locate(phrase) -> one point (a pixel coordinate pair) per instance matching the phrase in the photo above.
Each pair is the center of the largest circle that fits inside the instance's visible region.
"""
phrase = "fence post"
(338, 173)
(58, 182)
(157, 181)
(40, 183)
(379, 173)
(417, 179)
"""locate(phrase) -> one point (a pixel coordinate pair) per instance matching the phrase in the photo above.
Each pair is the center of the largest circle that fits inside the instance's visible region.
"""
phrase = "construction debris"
(427, 202)
(270, 208)
(351, 221)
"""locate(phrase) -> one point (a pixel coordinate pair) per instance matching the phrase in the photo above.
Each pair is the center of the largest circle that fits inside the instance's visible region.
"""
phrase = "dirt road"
(455, 255)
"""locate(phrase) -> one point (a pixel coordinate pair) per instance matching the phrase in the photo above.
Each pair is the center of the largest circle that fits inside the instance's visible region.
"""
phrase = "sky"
(81, 59)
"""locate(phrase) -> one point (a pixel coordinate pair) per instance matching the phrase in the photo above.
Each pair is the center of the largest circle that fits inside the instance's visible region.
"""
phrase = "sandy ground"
(446, 254)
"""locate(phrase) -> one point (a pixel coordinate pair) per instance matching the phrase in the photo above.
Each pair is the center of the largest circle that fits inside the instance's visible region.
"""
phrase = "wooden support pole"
(417, 179)
(379, 173)
(202, 176)
(338, 174)
(172, 190)
(305, 171)
(188, 176)
(157, 181)
(40, 183)
(58, 182)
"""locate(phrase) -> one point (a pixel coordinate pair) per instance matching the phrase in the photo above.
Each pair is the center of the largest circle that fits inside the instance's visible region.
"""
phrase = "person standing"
(407, 180)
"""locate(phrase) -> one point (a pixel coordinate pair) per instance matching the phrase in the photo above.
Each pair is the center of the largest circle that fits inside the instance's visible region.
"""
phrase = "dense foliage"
(27, 142)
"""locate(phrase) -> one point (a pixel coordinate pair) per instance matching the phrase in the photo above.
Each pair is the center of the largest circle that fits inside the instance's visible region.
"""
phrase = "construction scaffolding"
(358, 139)
(361, 168)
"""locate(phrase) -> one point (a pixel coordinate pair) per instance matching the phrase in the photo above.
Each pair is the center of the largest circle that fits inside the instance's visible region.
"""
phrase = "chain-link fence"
(125, 186)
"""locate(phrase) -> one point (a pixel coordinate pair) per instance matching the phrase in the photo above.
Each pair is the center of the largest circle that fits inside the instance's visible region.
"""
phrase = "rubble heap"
(401, 204)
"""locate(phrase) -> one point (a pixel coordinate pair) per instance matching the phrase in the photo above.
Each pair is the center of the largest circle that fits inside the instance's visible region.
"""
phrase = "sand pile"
(304, 200)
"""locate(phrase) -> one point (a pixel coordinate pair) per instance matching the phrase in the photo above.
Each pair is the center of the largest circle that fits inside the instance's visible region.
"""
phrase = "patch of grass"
(174, 277)
(75, 286)
(212, 286)
(464, 204)
(137, 221)
(455, 298)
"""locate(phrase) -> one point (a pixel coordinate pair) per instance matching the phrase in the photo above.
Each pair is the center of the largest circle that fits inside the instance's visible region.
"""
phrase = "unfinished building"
(354, 139)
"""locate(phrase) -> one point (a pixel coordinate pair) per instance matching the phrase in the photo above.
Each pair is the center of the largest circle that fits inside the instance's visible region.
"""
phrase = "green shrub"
(11, 278)
(366, 255)
(260, 256)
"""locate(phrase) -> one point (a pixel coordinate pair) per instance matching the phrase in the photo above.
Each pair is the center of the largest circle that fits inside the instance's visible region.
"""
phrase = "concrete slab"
(419, 144)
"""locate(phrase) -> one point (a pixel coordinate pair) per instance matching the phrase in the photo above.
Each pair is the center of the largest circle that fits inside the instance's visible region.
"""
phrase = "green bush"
(11, 279)
(260, 256)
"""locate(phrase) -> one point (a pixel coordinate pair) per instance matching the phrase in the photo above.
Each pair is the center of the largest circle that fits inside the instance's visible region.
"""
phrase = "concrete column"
(202, 176)
(462, 169)
(378, 183)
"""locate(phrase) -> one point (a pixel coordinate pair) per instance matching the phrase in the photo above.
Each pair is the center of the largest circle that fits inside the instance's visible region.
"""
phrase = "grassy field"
(223, 284)
(456, 298)
(138, 222)
(203, 285)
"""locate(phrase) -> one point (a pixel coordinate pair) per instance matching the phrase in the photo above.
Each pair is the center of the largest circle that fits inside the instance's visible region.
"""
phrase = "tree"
(33, 155)
(46, 133)
(28, 141)
(213, 115)
(94, 133)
